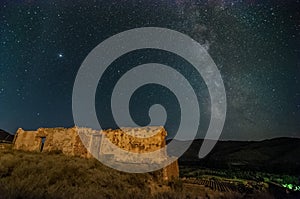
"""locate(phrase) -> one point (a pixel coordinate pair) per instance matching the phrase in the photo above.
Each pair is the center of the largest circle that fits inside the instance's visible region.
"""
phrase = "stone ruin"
(84, 142)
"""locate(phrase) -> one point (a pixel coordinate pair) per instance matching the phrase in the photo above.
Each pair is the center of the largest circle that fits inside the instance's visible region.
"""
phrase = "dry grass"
(40, 175)
(25, 175)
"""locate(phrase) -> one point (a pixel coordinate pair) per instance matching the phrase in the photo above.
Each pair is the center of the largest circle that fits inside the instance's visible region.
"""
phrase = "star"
(43, 47)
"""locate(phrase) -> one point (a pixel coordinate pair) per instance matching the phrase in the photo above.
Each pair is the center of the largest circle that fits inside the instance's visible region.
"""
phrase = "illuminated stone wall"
(72, 141)
(26, 140)
(65, 140)
(134, 140)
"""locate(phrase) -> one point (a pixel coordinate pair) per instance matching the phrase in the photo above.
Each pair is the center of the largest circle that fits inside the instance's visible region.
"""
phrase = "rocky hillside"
(5, 136)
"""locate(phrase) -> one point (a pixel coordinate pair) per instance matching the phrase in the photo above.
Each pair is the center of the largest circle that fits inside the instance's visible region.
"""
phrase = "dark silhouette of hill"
(280, 155)
(5, 136)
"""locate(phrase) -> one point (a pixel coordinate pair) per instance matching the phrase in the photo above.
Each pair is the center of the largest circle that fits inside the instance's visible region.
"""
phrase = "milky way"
(255, 44)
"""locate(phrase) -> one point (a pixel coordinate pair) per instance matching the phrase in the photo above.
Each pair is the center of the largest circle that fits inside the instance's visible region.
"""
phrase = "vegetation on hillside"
(33, 175)
(54, 175)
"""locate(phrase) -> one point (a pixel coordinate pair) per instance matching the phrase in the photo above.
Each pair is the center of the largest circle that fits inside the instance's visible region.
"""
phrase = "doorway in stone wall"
(43, 139)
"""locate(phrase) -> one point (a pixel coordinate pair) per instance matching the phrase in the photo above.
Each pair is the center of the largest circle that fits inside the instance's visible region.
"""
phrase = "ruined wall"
(61, 139)
(72, 141)
(65, 140)
(171, 171)
(136, 141)
(139, 141)
(26, 140)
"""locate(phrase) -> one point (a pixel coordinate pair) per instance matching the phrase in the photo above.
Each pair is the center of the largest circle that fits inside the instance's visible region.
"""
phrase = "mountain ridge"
(5, 136)
(276, 155)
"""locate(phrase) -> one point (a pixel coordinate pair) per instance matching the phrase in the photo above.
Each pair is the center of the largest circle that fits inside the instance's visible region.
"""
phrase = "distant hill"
(274, 155)
(5, 136)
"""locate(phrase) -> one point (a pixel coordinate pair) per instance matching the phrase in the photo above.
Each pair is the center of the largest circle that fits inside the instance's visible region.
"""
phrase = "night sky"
(254, 43)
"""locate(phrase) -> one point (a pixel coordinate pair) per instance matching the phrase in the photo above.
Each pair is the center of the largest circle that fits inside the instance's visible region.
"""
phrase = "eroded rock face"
(84, 142)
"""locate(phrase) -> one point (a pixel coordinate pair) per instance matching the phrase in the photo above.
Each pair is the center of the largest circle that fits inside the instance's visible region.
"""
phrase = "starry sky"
(254, 43)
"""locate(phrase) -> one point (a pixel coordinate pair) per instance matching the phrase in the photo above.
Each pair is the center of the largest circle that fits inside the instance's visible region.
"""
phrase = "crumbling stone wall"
(134, 140)
(26, 140)
(138, 140)
(65, 140)
(75, 142)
